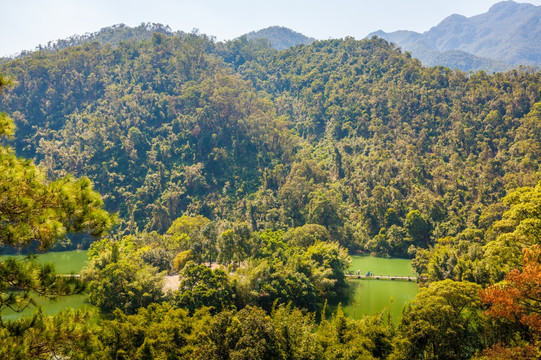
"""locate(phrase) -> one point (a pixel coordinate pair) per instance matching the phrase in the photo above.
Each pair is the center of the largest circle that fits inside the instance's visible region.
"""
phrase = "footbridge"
(381, 277)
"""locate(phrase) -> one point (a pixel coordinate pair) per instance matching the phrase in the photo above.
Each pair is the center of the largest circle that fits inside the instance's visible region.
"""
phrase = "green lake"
(369, 297)
(366, 296)
(66, 262)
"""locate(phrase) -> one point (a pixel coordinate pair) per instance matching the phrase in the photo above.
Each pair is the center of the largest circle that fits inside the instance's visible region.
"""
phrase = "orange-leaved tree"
(518, 298)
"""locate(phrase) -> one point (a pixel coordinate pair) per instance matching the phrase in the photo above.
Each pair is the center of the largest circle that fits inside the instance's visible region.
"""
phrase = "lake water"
(50, 307)
(66, 262)
(366, 296)
(369, 297)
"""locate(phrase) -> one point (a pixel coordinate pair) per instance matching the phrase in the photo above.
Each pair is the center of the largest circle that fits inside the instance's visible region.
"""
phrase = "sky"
(28, 23)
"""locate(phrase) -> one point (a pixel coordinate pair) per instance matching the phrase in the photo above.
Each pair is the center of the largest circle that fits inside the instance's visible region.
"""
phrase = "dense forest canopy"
(251, 172)
(280, 38)
(183, 125)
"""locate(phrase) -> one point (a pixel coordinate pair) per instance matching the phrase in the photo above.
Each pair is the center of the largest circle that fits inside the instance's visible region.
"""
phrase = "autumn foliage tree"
(518, 298)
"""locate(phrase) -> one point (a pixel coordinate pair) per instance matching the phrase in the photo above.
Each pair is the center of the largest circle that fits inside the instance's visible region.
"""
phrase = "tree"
(159, 258)
(442, 321)
(234, 244)
(519, 227)
(324, 209)
(258, 339)
(35, 209)
(127, 285)
(518, 298)
(307, 235)
(69, 333)
(182, 259)
(273, 282)
(296, 333)
(345, 338)
(499, 352)
(32, 208)
(203, 287)
(195, 233)
(158, 330)
(330, 262)
(221, 337)
(418, 228)
(187, 225)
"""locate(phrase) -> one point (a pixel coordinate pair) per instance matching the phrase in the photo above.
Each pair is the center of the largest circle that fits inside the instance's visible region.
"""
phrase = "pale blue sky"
(28, 23)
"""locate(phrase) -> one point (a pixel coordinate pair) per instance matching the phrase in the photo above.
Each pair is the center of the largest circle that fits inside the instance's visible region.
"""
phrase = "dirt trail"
(171, 282)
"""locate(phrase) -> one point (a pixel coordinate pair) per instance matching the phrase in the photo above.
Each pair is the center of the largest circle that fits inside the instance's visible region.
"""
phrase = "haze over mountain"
(280, 37)
(110, 35)
(506, 36)
(501, 39)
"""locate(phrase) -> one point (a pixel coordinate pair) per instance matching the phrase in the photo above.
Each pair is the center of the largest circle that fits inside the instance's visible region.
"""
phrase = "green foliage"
(333, 261)
(344, 338)
(443, 321)
(257, 338)
(67, 334)
(202, 287)
(267, 164)
(126, 285)
(159, 258)
(34, 209)
(307, 235)
(485, 254)
(335, 133)
(271, 244)
(296, 333)
(187, 225)
(169, 154)
(221, 337)
(159, 331)
(418, 228)
(271, 283)
(182, 258)
(304, 277)
(30, 278)
(234, 244)
(280, 38)
(111, 35)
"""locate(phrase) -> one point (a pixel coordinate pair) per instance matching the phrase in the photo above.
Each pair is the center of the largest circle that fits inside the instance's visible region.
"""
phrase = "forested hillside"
(271, 165)
(111, 35)
(177, 125)
(280, 37)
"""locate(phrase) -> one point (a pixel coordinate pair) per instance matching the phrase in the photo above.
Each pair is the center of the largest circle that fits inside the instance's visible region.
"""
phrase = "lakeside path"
(382, 277)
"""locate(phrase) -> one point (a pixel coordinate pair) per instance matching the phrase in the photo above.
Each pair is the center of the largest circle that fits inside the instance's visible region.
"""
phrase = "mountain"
(351, 135)
(111, 35)
(508, 35)
(280, 37)
(268, 164)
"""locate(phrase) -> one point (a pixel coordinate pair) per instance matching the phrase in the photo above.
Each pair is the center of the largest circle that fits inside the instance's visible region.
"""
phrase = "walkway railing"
(381, 277)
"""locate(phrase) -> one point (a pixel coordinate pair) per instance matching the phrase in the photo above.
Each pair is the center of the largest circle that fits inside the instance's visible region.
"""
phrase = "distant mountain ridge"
(280, 37)
(112, 35)
(508, 35)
